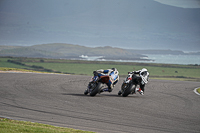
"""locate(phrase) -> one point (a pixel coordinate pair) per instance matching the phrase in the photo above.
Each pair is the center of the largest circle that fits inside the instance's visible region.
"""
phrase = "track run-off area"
(166, 107)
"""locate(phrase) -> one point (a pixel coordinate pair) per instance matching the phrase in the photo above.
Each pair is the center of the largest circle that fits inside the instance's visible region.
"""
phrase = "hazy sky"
(137, 24)
(181, 3)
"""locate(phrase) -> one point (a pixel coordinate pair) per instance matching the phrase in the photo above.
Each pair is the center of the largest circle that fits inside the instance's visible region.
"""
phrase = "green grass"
(87, 69)
(4, 63)
(161, 71)
(14, 126)
(198, 90)
(15, 69)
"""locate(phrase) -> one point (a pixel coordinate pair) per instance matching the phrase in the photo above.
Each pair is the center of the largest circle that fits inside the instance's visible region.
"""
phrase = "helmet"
(144, 74)
(143, 71)
(114, 69)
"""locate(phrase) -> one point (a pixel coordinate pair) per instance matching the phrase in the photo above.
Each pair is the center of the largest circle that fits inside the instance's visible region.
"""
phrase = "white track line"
(195, 90)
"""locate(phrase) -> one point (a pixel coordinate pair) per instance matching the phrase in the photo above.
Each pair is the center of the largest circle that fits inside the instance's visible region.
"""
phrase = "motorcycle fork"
(124, 86)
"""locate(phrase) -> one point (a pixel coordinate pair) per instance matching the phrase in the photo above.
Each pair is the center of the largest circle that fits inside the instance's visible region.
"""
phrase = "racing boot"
(139, 90)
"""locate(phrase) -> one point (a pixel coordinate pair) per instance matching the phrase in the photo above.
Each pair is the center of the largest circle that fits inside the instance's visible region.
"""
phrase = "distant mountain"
(26, 51)
(68, 51)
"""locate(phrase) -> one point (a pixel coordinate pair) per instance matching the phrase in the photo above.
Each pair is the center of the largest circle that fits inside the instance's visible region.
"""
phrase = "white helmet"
(144, 74)
(143, 71)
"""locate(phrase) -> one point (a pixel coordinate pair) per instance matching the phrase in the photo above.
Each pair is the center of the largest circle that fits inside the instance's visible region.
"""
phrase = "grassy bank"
(198, 90)
(79, 67)
(14, 126)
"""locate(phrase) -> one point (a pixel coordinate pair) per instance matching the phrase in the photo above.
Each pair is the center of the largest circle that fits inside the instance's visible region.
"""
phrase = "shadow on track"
(100, 95)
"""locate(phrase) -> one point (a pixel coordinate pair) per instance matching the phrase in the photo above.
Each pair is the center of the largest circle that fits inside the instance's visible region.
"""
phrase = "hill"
(69, 51)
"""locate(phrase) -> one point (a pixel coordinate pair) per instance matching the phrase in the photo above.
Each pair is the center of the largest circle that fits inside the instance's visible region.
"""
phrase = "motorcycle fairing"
(114, 76)
(105, 79)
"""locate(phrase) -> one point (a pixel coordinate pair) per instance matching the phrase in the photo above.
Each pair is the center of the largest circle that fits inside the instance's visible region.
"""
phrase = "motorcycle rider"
(142, 73)
(113, 77)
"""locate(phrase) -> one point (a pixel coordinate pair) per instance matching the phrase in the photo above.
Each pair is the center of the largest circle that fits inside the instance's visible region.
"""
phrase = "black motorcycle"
(132, 82)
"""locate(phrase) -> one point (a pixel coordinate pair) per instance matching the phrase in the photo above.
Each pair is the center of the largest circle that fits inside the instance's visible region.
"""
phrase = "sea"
(164, 59)
(175, 59)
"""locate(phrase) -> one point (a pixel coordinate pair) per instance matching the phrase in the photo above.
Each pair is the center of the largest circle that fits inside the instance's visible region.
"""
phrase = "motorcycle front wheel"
(96, 89)
(127, 90)
(86, 92)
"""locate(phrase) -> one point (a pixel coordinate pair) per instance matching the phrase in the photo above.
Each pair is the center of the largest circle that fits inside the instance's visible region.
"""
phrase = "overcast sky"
(181, 3)
(137, 24)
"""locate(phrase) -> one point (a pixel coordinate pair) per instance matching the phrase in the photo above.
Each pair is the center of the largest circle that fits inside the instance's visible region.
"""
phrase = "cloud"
(181, 3)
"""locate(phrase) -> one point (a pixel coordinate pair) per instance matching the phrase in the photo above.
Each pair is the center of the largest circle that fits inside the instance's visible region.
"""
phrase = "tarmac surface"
(166, 107)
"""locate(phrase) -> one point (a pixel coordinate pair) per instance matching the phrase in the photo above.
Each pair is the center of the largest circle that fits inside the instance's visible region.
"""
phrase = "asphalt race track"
(166, 107)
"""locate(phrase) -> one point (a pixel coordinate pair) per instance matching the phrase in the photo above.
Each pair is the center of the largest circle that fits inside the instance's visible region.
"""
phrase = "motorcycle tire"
(96, 89)
(127, 91)
(85, 92)
(120, 92)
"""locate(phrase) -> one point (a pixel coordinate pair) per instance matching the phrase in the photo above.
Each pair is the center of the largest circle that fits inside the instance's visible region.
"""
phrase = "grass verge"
(80, 67)
(14, 126)
(198, 90)
(16, 69)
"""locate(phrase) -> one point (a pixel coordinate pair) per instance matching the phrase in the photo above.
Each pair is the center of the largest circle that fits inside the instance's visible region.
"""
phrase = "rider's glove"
(131, 72)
